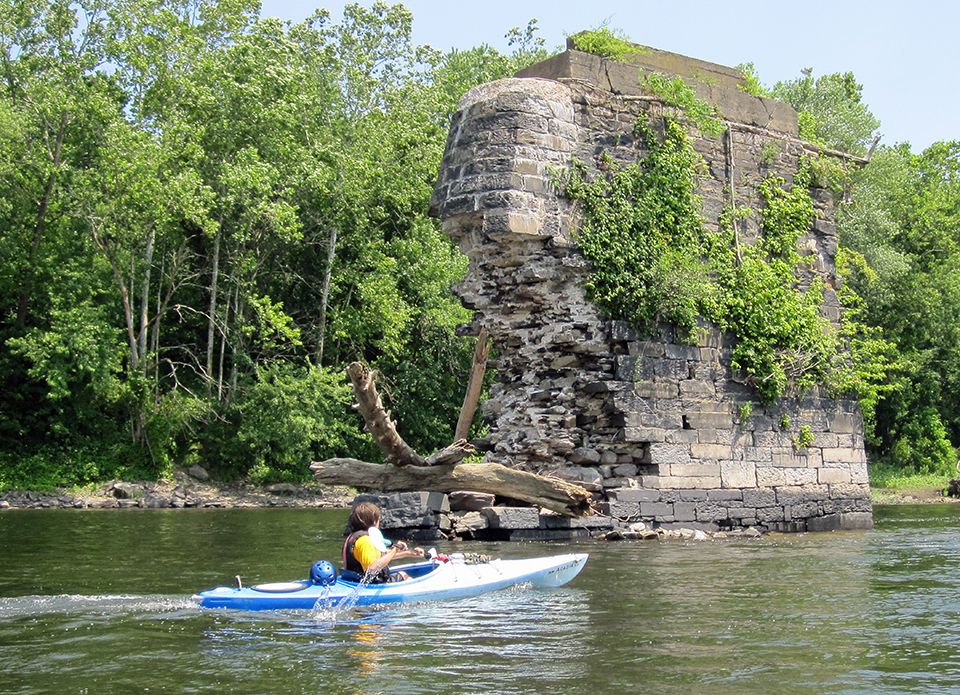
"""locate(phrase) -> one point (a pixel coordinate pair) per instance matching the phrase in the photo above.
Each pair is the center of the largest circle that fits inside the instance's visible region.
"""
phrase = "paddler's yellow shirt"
(365, 552)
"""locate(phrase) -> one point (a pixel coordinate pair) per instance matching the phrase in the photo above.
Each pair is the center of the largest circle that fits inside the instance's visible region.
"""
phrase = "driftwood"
(474, 386)
(549, 493)
(378, 420)
(406, 470)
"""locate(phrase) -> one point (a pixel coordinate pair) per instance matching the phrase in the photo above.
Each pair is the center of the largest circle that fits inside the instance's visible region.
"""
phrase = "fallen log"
(378, 420)
(442, 471)
(550, 493)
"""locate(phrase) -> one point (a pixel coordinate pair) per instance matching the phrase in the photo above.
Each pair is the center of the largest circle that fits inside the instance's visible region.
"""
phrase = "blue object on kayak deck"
(323, 573)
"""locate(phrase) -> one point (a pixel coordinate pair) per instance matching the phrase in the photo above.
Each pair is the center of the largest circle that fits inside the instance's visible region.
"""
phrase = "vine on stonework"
(654, 261)
(642, 230)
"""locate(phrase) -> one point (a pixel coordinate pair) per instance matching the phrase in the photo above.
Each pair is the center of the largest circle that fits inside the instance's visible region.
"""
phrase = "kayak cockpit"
(414, 571)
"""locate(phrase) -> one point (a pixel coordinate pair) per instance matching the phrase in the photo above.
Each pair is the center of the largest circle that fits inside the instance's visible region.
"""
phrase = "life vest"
(351, 564)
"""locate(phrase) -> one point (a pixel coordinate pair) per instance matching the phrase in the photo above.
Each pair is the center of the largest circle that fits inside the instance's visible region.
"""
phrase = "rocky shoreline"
(183, 492)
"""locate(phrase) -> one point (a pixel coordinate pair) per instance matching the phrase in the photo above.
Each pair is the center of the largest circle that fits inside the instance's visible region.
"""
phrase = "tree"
(830, 110)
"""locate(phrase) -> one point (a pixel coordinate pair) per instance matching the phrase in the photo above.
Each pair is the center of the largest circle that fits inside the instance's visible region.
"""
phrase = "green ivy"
(804, 437)
(653, 261)
(642, 230)
(677, 93)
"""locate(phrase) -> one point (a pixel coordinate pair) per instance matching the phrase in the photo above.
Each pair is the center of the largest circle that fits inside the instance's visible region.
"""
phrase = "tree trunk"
(212, 310)
(40, 225)
(549, 493)
(474, 386)
(378, 420)
(145, 295)
(325, 293)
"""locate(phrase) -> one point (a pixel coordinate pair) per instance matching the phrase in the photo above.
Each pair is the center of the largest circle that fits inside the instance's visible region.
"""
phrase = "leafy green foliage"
(804, 437)
(830, 110)
(899, 226)
(206, 215)
(287, 418)
(752, 84)
(654, 262)
(642, 230)
(677, 93)
(605, 42)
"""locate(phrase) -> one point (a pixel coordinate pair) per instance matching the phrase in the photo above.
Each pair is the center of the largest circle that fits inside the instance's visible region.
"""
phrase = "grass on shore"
(888, 477)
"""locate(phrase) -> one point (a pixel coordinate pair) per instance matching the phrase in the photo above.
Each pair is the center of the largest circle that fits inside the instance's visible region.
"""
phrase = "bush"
(922, 444)
(288, 417)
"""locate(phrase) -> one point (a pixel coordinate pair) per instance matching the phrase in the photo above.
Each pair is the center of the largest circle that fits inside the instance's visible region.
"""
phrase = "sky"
(905, 54)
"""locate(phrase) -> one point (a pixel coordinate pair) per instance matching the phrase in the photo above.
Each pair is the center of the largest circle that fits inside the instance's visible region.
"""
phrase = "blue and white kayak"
(429, 581)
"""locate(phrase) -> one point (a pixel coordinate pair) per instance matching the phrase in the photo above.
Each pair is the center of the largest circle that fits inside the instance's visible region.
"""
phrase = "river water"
(98, 602)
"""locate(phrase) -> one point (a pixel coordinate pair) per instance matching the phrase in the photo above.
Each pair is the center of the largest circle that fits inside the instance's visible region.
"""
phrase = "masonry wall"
(649, 423)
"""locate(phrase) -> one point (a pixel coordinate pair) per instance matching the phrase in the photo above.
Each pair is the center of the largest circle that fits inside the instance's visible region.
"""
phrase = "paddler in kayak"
(364, 552)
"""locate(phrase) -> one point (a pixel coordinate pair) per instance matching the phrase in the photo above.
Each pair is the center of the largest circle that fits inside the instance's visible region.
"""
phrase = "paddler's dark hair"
(363, 516)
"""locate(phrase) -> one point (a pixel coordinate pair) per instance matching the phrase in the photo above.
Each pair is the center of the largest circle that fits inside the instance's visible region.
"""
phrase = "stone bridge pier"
(658, 428)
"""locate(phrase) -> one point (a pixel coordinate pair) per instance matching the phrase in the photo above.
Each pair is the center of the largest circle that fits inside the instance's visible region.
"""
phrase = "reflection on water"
(837, 613)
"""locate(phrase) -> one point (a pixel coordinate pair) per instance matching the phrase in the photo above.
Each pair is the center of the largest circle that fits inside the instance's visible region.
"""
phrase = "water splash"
(330, 609)
(110, 604)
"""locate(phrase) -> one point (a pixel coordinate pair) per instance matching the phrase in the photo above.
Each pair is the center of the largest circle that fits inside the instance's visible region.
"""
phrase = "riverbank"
(912, 495)
(183, 492)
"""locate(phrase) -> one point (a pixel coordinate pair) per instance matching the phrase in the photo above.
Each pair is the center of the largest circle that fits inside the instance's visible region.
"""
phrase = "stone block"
(656, 389)
(787, 457)
(696, 388)
(609, 458)
(710, 420)
(685, 511)
(645, 434)
(725, 495)
(701, 482)
(852, 521)
(695, 470)
(468, 522)
(407, 518)
(466, 501)
(828, 522)
(682, 352)
(738, 474)
(799, 494)
(843, 423)
(694, 495)
(844, 455)
(555, 521)
(663, 453)
(779, 440)
(712, 512)
(760, 497)
(851, 491)
(768, 514)
(833, 475)
(636, 494)
(512, 517)
(757, 454)
(858, 474)
(438, 502)
(804, 510)
(741, 512)
(656, 509)
(714, 452)
(682, 436)
(620, 510)
(776, 477)
(583, 456)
